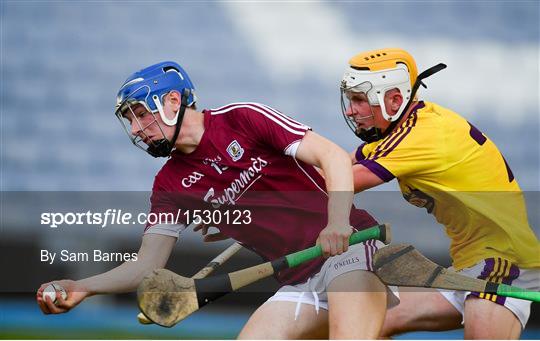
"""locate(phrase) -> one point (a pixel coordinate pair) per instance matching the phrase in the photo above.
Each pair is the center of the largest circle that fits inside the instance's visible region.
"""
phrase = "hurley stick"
(403, 265)
(208, 269)
(167, 298)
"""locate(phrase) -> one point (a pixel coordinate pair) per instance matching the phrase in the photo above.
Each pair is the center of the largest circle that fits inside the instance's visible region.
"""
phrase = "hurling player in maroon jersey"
(249, 156)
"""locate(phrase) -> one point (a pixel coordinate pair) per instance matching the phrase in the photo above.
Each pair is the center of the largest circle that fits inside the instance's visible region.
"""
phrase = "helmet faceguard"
(143, 93)
(374, 73)
(379, 82)
(384, 70)
(369, 134)
(130, 112)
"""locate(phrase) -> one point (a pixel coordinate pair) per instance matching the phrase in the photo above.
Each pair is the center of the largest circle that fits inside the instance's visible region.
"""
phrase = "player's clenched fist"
(334, 239)
(60, 296)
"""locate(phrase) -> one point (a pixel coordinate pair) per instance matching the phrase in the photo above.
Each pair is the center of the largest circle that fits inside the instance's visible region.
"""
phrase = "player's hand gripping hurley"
(167, 298)
(403, 265)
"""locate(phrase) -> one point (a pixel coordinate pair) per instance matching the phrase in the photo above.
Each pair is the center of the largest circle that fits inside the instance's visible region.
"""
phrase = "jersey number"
(480, 138)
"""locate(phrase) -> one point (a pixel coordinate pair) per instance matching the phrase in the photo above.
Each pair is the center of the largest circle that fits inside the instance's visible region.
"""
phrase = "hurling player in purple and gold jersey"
(447, 166)
(252, 157)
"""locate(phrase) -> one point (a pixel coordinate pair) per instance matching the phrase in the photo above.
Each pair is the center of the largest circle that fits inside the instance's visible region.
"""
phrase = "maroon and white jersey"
(246, 161)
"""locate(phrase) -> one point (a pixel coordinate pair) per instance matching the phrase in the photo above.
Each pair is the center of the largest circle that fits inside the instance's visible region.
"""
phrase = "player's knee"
(262, 332)
(395, 322)
(402, 320)
(499, 322)
(504, 331)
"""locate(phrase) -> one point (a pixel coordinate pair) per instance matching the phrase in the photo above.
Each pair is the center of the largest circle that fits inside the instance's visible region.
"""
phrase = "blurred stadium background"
(62, 63)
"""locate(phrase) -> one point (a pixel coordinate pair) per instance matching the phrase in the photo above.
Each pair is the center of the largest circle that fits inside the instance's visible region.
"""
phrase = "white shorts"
(313, 291)
(498, 270)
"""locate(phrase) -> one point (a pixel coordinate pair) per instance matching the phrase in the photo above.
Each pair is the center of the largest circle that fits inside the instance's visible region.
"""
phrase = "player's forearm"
(339, 207)
(339, 183)
(153, 254)
(124, 278)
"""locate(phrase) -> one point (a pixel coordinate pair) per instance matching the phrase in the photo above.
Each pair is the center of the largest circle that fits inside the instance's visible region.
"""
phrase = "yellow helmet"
(383, 59)
(376, 72)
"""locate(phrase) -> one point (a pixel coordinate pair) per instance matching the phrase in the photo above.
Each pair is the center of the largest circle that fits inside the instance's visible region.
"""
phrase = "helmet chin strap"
(371, 134)
(164, 147)
(375, 134)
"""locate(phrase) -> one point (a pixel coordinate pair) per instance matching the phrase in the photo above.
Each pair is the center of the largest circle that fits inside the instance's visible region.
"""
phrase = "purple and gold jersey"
(246, 161)
(446, 165)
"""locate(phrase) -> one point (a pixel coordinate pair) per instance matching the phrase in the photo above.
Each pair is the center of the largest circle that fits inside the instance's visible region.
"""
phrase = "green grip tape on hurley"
(300, 257)
(515, 292)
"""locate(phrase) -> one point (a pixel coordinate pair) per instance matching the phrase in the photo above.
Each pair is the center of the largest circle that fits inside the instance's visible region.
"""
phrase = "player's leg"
(356, 305)
(421, 310)
(485, 317)
(488, 320)
(496, 317)
(276, 320)
(341, 277)
(489, 316)
(357, 299)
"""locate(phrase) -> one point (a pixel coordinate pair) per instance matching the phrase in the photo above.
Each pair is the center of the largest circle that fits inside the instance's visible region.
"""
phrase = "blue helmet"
(148, 87)
(156, 80)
